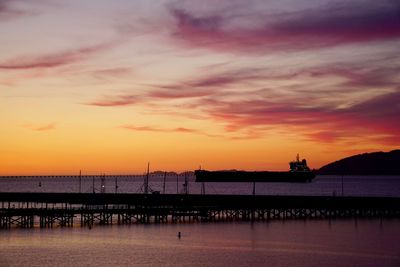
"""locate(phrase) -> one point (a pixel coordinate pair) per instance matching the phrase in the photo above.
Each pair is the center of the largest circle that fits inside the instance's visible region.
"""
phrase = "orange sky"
(106, 87)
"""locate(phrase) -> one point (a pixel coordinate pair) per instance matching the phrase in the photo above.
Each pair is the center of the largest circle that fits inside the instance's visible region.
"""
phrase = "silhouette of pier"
(29, 210)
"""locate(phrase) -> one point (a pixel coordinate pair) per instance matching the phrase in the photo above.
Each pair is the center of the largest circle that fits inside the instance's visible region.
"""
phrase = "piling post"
(103, 184)
(80, 181)
(342, 187)
(146, 179)
(165, 176)
(177, 185)
(186, 184)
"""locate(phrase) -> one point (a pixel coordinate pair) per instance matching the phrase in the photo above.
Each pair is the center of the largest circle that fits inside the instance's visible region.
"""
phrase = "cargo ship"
(299, 173)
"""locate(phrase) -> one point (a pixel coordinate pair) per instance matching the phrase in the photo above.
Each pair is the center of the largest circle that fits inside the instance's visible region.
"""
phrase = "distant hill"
(386, 163)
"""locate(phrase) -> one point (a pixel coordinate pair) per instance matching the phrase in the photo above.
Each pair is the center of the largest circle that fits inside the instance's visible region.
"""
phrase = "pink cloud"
(316, 114)
(8, 11)
(103, 74)
(325, 136)
(357, 75)
(298, 110)
(362, 74)
(207, 85)
(121, 100)
(180, 91)
(377, 116)
(309, 29)
(380, 113)
(53, 60)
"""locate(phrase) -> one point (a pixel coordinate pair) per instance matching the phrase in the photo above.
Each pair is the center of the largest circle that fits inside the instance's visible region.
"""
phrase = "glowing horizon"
(106, 87)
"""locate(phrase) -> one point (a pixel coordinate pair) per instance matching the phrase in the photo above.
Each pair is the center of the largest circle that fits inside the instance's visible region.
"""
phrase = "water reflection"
(290, 243)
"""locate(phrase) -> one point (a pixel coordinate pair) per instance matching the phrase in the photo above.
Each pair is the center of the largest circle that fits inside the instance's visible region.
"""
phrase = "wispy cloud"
(105, 74)
(380, 113)
(261, 82)
(41, 128)
(321, 98)
(180, 91)
(8, 10)
(325, 136)
(166, 130)
(376, 116)
(321, 27)
(207, 85)
(114, 101)
(55, 59)
(354, 105)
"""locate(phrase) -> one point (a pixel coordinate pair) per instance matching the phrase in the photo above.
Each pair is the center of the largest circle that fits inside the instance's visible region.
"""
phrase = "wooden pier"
(44, 210)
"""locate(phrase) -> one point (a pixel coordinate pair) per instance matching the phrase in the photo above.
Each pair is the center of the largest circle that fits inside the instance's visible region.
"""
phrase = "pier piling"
(49, 210)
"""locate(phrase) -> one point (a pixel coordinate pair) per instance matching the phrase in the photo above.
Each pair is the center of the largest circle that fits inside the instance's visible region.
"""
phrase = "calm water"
(277, 243)
(321, 185)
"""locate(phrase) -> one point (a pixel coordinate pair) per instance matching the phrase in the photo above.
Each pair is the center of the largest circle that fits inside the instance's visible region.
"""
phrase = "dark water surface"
(276, 243)
(321, 185)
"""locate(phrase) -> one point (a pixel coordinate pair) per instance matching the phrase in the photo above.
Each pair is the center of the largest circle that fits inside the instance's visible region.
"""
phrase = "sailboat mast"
(165, 176)
(80, 181)
(146, 179)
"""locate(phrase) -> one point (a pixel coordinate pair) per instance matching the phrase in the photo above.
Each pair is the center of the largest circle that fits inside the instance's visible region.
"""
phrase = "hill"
(376, 163)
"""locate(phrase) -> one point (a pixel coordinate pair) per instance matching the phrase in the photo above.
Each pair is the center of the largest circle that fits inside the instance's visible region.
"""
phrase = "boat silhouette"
(299, 173)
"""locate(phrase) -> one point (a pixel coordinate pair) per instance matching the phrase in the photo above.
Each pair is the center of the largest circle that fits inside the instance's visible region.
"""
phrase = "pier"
(46, 210)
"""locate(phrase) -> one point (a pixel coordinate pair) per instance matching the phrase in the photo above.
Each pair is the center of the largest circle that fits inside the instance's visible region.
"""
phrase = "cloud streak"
(354, 105)
(316, 28)
(376, 116)
(104, 74)
(208, 85)
(166, 130)
(115, 101)
(54, 60)
(41, 128)
(8, 11)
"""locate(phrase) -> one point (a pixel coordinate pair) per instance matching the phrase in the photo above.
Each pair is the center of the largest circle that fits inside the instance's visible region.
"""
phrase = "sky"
(107, 86)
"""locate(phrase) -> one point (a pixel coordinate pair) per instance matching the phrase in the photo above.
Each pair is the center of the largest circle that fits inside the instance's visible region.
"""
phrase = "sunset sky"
(106, 86)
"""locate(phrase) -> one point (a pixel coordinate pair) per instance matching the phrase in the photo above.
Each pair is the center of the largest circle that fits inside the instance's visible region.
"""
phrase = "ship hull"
(255, 176)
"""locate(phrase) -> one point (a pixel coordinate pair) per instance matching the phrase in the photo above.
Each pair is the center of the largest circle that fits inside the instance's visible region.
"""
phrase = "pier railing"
(68, 209)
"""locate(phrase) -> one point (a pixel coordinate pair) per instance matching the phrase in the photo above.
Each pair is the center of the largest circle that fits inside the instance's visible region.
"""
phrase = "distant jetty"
(376, 163)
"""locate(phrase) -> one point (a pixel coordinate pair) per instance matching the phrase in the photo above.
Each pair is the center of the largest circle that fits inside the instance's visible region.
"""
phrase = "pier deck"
(67, 209)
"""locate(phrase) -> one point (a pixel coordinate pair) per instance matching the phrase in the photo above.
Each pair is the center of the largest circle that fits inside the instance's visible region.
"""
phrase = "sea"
(322, 185)
(316, 242)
